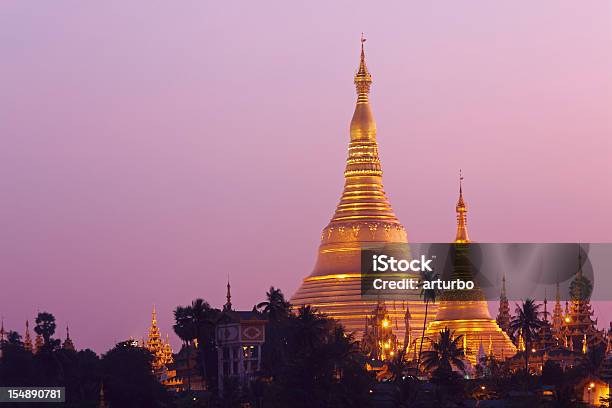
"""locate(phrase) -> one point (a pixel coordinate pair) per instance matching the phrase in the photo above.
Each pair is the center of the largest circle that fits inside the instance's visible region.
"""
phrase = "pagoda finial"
(462, 233)
(228, 296)
(503, 288)
(67, 333)
(1, 328)
(363, 79)
(154, 317)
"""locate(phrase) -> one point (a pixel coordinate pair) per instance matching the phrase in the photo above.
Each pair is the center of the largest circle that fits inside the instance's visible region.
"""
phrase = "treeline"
(125, 370)
(308, 360)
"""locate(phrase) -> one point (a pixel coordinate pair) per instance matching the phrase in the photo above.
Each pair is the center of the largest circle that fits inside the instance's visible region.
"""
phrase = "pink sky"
(149, 149)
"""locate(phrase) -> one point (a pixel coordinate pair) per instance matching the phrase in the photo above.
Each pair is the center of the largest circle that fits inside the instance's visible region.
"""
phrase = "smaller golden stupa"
(467, 312)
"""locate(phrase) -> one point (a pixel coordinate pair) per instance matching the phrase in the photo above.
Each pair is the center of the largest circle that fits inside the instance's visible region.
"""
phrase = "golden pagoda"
(467, 312)
(503, 315)
(68, 344)
(27, 339)
(579, 329)
(163, 358)
(363, 217)
(557, 316)
(154, 343)
(167, 351)
(378, 340)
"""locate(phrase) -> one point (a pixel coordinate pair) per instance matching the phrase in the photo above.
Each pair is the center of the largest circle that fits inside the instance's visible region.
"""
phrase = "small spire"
(228, 296)
(27, 340)
(154, 317)
(363, 79)
(68, 344)
(503, 288)
(2, 328)
(462, 233)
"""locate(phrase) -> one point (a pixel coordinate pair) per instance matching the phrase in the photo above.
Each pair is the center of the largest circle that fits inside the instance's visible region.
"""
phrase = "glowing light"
(385, 323)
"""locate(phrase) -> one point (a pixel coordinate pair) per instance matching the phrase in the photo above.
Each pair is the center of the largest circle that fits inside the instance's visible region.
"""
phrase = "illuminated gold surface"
(363, 216)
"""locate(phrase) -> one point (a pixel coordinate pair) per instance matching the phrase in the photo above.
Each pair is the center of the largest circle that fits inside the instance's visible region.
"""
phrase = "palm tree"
(526, 323)
(447, 352)
(45, 326)
(204, 318)
(183, 326)
(311, 327)
(197, 322)
(428, 295)
(276, 306)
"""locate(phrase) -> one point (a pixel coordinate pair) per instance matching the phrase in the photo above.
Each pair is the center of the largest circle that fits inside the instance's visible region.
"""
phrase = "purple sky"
(149, 149)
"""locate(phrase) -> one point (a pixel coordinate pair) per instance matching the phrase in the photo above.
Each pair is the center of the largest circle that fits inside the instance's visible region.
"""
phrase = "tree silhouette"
(128, 379)
(526, 323)
(447, 352)
(275, 307)
(45, 326)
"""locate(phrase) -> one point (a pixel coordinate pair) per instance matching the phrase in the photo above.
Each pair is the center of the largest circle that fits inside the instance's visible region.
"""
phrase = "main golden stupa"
(363, 217)
(467, 313)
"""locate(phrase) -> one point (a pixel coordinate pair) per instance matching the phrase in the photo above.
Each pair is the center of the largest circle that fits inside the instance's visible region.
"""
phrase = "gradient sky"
(149, 149)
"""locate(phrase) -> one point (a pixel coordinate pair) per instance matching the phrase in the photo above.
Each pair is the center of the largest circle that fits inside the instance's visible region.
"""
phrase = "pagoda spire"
(2, 329)
(228, 296)
(363, 199)
(68, 344)
(462, 233)
(503, 314)
(27, 339)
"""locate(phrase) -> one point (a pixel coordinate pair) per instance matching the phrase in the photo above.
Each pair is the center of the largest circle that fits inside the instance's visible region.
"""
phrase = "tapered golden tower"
(467, 312)
(364, 216)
